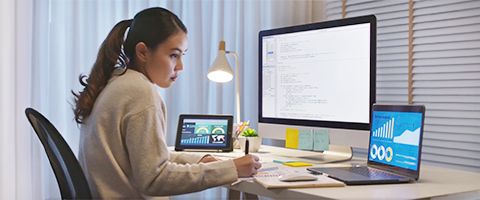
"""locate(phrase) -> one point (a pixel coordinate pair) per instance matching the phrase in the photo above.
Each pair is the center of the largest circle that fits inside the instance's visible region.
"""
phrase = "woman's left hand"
(207, 159)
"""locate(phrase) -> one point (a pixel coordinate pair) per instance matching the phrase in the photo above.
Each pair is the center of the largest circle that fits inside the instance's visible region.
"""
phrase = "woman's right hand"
(247, 165)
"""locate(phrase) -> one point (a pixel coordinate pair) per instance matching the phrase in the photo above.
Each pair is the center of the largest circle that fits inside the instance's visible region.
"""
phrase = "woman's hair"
(151, 26)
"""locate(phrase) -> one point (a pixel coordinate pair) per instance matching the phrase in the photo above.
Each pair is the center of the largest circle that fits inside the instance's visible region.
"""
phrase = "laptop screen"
(395, 138)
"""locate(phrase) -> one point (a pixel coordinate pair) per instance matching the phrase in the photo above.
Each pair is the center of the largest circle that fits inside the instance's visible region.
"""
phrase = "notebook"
(394, 152)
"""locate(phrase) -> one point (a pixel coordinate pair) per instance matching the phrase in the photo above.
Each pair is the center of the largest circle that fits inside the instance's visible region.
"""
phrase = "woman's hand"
(247, 165)
(207, 159)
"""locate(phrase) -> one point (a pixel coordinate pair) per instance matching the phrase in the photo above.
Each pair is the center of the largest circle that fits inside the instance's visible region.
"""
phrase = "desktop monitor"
(319, 75)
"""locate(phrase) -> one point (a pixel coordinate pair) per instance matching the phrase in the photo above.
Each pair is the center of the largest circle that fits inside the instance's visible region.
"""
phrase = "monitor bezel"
(229, 140)
(314, 26)
(413, 174)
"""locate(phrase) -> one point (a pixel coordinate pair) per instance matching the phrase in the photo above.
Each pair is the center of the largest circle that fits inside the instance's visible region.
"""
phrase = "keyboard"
(371, 172)
(361, 175)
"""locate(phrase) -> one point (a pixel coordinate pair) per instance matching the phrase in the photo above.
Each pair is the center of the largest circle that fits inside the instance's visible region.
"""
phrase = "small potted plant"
(254, 140)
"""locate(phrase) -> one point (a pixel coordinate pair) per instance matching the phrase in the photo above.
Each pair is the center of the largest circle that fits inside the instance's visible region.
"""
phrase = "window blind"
(392, 43)
(445, 74)
(446, 79)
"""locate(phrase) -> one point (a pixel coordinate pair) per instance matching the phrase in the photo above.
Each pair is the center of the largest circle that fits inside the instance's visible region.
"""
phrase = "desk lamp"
(221, 72)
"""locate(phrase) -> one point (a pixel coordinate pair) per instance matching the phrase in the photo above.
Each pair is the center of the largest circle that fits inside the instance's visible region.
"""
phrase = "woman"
(122, 149)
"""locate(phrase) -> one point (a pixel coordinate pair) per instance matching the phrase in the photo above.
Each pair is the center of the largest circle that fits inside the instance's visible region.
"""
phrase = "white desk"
(433, 182)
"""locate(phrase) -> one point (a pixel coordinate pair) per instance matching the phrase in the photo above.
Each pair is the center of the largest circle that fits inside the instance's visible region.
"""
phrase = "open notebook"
(269, 178)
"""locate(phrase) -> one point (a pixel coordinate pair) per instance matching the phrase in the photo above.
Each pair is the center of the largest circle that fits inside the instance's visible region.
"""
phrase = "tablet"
(204, 132)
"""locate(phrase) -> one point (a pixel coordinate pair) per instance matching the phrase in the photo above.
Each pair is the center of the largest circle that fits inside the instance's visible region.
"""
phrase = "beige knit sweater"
(123, 151)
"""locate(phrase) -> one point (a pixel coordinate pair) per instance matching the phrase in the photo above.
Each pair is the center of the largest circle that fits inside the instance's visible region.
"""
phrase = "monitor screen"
(395, 138)
(320, 74)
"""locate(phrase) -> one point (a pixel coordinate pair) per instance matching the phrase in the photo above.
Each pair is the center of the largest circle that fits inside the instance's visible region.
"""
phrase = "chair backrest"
(69, 174)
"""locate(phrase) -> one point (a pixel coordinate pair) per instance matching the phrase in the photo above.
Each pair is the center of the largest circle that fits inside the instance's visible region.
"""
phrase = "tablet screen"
(204, 132)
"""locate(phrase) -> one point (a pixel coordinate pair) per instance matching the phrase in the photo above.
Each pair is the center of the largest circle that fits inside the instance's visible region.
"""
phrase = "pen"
(246, 146)
(281, 162)
(278, 161)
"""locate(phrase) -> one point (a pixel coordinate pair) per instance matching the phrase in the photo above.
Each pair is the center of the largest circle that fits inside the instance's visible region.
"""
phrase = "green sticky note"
(305, 139)
(321, 139)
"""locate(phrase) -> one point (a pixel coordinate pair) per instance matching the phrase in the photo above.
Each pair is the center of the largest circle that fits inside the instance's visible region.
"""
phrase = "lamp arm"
(237, 87)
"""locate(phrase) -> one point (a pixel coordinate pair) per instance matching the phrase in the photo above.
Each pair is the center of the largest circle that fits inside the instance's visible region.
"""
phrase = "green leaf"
(250, 132)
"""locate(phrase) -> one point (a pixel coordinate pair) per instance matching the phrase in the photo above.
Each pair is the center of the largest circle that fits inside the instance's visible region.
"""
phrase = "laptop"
(395, 146)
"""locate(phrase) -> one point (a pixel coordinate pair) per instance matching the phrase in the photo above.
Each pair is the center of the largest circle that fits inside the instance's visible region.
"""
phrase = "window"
(428, 52)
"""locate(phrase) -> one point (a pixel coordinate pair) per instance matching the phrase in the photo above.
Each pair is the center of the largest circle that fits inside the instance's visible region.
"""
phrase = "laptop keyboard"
(371, 172)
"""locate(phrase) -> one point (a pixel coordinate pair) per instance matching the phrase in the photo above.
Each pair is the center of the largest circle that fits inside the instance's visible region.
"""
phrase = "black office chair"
(69, 174)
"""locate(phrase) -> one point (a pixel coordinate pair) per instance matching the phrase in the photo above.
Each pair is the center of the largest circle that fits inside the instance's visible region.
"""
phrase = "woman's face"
(163, 64)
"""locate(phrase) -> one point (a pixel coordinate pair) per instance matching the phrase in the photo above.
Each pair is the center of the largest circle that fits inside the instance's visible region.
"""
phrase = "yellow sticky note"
(297, 164)
(291, 138)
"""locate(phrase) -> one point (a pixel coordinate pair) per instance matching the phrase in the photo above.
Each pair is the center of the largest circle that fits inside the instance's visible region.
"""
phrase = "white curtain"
(46, 44)
(238, 23)
(18, 150)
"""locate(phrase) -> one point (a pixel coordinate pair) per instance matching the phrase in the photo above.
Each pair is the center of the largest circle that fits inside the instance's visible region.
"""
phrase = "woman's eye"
(174, 56)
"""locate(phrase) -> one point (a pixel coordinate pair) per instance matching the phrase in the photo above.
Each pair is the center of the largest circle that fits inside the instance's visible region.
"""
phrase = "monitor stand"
(335, 153)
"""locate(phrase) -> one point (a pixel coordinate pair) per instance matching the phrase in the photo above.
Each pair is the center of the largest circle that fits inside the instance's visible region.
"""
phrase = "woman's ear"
(141, 52)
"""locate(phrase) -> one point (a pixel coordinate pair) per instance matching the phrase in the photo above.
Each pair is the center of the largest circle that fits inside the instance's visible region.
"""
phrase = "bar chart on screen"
(386, 130)
(196, 140)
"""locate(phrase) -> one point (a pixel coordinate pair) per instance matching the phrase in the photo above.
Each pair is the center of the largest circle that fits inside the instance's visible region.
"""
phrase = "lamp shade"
(220, 71)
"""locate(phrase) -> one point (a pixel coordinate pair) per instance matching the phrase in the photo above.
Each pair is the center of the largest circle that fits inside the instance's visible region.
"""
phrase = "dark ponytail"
(101, 71)
(151, 26)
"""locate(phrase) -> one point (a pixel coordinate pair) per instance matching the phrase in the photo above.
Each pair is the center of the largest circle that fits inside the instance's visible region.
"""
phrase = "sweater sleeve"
(185, 158)
(152, 171)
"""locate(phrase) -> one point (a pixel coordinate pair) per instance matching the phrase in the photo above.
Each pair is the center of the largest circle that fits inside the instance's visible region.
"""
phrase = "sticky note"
(291, 138)
(297, 164)
(305, 139)
(321, 139)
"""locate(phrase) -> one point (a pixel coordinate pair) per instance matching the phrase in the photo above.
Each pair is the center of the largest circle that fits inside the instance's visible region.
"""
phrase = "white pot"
(254, 143)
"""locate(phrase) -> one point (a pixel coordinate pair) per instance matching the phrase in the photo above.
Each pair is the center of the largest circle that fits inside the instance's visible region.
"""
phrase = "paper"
(291, 138)
(262, 172)
(305, 139)
(321, 139)
(274, 182)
